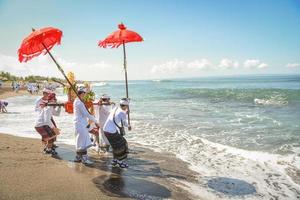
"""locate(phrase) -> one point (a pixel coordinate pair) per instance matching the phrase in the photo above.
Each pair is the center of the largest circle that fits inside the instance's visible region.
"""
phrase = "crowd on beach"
(104, 130)
(32, 88)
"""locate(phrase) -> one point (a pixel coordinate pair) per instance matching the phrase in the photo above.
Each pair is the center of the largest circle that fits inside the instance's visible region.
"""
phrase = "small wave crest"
(99, 84)
(272, 101)
(260, 96)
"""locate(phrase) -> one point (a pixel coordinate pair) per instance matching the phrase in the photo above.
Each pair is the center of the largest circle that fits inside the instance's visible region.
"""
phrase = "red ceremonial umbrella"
(42, 41)
(120, 37)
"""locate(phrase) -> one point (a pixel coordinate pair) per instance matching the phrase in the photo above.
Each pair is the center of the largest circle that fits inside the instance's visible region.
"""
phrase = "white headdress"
(124, 102)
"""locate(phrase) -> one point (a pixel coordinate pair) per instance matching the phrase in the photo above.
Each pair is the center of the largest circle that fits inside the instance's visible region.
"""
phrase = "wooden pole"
(63, 73)
(126, 81)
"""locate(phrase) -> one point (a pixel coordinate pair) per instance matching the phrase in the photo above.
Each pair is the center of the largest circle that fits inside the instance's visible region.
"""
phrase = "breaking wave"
(259, 96)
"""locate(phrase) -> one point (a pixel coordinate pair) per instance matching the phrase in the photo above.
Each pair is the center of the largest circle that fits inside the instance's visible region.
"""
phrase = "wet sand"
(26, 173)
(6, 92)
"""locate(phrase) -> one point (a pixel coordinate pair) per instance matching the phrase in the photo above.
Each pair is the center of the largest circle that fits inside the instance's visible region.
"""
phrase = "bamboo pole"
(63, 73)
(126, 81)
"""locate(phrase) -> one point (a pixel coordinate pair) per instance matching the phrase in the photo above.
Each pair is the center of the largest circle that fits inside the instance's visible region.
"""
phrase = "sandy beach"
(26, 173)
(6, 92)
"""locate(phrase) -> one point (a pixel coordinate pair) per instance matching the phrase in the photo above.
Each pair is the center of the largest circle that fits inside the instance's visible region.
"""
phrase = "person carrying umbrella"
(114, 131)
(82, 136)
(41, 42)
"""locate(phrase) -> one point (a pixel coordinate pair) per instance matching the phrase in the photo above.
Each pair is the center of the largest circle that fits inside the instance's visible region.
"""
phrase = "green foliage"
(90, 96)
(6, 76)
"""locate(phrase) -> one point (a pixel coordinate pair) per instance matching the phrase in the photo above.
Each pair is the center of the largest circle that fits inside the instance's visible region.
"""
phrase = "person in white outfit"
(114, 131)
(45, 126)
(83, 141)
(46, 92)
(102, 112)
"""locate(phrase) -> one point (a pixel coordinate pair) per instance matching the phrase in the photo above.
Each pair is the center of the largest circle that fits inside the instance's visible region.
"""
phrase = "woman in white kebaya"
(82, 137)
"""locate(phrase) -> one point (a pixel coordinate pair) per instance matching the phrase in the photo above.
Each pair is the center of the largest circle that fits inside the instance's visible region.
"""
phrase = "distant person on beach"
(103, 111)
(45, 125)
(13, 86)
(114, 131)
(17, 87)
(82, 137)
(3, 105)
(38, 88)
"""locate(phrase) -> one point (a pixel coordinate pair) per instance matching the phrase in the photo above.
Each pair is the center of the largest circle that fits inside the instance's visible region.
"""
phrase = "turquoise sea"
(250, 112)
(243, 127)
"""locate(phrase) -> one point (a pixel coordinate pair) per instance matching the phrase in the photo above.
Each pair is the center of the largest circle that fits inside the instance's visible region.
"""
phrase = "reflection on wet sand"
(230, 186)
(124, 186)
(150, 176)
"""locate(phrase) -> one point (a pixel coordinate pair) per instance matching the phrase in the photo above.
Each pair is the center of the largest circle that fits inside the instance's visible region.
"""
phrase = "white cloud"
(199, 64)
(173, 66)
(178, 66)
(254, 64)
(292, 65)
(262, 66)
(226, 63)
(99, 65)
(44, 66)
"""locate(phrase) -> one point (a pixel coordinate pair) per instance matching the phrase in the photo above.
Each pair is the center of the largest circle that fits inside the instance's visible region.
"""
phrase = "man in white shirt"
(45, 126)
(83, 141)
(114, 131)
(46, 92)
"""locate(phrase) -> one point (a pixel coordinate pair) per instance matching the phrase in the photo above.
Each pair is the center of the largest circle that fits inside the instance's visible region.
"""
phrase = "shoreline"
(150, 175)
(7, 92)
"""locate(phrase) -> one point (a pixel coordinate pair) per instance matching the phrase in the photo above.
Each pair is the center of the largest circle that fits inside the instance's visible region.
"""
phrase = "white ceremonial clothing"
(37, 105)
(102, 113)
(45, 115)
(120, 115)
(83, 141)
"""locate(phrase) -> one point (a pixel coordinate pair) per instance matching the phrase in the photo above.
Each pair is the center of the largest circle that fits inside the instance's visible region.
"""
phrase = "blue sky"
(183, 38)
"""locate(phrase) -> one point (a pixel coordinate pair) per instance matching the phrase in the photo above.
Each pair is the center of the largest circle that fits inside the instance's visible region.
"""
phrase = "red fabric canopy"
(33, 45)
(117, 38)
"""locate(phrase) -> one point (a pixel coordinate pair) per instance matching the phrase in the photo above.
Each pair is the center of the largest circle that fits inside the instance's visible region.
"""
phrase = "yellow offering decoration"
(89, 97)
(68, 89)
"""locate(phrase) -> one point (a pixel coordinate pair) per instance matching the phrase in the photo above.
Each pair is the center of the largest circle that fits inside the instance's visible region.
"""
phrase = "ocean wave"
(273, 101)
(267, 172)
(263, 96)
(99, 84)
(162, 80)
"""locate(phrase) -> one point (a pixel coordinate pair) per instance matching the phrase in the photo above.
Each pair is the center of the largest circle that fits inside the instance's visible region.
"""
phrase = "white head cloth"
(105, 96)
(124, 102)
(47, 90)
(81, 89)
